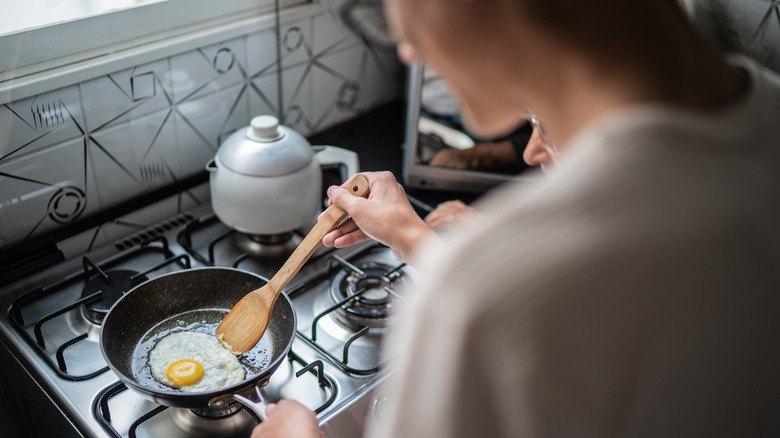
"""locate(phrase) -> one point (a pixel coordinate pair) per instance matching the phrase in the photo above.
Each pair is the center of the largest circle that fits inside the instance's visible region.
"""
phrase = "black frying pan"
(196, 299)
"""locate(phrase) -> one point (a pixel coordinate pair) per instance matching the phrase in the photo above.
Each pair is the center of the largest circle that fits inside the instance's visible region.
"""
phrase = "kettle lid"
(265, 148)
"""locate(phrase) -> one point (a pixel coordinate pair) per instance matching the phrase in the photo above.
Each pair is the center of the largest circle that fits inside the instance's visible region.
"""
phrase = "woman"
(715, 21)
(633, 292)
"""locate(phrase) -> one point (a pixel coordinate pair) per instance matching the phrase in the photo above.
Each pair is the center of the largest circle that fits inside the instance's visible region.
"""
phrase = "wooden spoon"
(246, 322)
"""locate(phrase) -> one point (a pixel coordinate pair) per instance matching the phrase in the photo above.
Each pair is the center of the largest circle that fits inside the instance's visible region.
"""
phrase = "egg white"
(222, 368)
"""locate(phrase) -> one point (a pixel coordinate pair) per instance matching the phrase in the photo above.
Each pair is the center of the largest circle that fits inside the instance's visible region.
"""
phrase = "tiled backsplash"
(758, 21)
(71, 152)
(83, 148)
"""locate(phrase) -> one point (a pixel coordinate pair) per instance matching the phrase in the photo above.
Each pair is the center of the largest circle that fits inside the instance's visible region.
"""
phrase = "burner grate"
(365, 292)
(360, 331)
(33, 332)
(213, 243)
(102, 411)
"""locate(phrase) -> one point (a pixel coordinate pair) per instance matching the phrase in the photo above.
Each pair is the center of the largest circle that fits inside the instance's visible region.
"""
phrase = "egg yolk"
(184, 372)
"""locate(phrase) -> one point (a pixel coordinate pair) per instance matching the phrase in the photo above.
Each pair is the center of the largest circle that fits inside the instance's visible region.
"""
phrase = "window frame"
(45, 58)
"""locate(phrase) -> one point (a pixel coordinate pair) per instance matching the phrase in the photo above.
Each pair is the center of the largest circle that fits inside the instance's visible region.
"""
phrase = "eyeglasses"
(548, 142)
(366, 18)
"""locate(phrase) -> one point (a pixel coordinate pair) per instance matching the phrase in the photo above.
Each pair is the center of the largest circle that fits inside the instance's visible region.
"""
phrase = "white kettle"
(266, 179)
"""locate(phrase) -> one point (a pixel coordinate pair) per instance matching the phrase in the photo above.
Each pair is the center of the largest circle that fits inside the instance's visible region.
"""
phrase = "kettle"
(266, 178)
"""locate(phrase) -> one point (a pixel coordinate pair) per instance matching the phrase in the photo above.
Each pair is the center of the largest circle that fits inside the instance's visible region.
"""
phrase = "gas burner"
(267, 246)
(373, 287)
(226, 422)
(270, 239)
(112, 284)
(218, 410)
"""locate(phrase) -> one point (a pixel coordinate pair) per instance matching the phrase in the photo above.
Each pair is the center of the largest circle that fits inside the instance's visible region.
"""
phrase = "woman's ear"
(537, 151)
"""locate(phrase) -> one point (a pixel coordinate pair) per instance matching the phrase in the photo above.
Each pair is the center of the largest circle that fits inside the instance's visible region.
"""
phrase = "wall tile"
(296, 96)
(330, 34)
(134, 222)
(296, 43)
(134, 157)
(337, 87)
(44, 190)
(143, 218)
(204, 123)
(760, 20)
(380, 78)
(118, 97)
(208, 69)
(350, 81)
(262, 65)
(264, 96)
(261, 53)
(37, 122)
(89, 146)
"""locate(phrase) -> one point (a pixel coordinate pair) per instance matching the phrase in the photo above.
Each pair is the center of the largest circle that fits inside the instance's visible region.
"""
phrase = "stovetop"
(334, 367)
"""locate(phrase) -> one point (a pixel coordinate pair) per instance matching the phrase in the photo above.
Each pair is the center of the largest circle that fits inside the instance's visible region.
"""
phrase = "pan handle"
(256, 409)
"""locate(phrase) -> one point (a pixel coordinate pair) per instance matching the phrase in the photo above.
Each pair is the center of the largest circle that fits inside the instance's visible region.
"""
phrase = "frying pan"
(193, 300)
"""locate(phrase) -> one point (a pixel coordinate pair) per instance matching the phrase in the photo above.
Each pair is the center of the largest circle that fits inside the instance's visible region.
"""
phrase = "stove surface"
(343, 299)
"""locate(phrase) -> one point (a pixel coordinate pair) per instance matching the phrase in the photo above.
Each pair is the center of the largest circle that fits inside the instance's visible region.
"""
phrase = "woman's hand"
(494, 156)
(286, 419)
(386, 215)
(450, 214)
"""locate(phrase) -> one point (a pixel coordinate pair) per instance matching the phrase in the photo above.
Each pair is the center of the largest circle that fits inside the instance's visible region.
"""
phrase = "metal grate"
(32, 331)
(102, 412)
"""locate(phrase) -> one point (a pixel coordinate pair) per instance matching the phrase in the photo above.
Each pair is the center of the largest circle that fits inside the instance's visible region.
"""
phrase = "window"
(26, 54)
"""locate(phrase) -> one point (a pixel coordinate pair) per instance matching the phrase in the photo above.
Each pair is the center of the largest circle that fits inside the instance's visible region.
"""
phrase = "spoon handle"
(332, 217)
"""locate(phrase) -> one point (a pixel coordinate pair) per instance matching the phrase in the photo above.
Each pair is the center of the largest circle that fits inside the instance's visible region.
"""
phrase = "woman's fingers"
(347, 229)
(450, 214)
(386, 215)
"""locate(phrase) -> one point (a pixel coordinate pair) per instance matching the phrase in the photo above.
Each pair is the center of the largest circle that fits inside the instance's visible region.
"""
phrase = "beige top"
(635, 292)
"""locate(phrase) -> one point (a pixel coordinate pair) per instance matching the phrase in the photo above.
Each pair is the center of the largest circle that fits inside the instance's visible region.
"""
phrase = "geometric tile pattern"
(759, 20)
(772, 14)
(72, 152)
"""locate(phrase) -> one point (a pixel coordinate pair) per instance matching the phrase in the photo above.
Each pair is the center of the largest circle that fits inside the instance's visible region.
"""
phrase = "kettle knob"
(264, 129)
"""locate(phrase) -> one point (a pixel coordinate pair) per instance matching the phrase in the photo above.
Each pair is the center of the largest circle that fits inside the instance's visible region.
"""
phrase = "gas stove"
(344, 300)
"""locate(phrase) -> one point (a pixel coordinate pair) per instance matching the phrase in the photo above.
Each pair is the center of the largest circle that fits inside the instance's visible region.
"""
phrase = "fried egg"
(194, 362)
